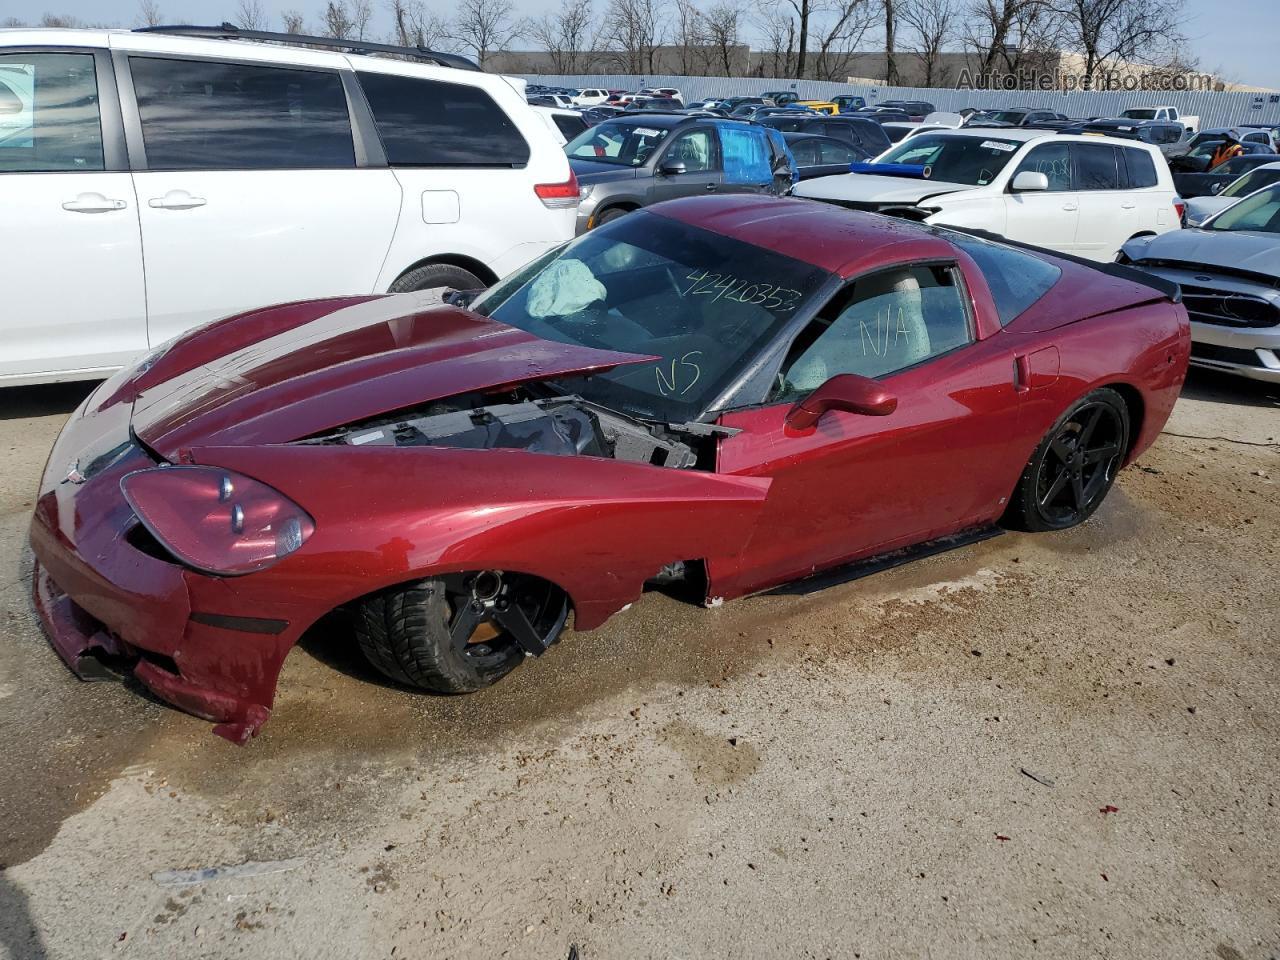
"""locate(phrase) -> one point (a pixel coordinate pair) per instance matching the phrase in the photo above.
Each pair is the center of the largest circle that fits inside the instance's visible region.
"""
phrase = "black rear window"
(1142, 171)
(1016, 279)
(428, 123)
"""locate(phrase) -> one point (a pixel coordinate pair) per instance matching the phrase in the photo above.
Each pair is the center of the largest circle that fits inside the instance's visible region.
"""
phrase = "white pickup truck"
(1168, 114)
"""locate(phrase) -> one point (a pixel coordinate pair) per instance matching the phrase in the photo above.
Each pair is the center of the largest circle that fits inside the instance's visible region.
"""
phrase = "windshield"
(1007, 116)
(1260, 212)
(1250, 182)
(626, 143)
(703, 303)
(975, 161)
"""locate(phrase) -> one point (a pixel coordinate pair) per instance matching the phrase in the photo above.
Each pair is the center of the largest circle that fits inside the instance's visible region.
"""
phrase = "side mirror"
(672, 168)
(1029, 180)
(1215, 188)
(845, 391)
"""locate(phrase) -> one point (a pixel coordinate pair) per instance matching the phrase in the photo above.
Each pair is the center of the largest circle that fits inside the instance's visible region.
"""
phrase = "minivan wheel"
(438, 278)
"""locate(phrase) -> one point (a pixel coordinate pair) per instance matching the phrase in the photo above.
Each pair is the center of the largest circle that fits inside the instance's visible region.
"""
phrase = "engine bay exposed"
(565, 426)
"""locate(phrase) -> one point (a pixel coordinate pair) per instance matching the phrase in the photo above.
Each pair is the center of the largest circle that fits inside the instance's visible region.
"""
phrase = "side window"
(211, 115)
(747, 155)
(695, 149)
(1141, 168)
(1096, 167)
(882, 324)
(1172, 134)
(1016, 279)
(49, 113)
(1054, 161)
(805, 152)
(832, 152)
(428, 123)
(569, 127)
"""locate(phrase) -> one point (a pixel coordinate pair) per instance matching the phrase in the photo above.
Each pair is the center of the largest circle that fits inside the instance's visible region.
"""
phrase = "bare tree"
(721, 28)
(634, 34)
(838, 30)
(570, 36)
(347, 19)
(250, 15)
(1105, 31)
(777, 31)
(149, 13)
(416, 26)
(1011, 34)
(930, 24)
(890, 42)
(690, 46)
(483, 27)
(293, 22)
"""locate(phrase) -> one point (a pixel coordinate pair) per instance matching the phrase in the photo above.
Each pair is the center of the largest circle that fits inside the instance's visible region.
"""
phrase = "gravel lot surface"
(1056, 745)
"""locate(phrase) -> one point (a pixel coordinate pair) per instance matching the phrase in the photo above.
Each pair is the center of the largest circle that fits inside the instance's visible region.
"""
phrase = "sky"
(1233, 38)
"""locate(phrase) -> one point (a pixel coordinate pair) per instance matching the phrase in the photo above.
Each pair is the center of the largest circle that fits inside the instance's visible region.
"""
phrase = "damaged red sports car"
(739, 391)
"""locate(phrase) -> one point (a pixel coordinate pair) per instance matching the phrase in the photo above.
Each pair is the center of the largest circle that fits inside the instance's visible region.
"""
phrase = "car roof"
(830, 237)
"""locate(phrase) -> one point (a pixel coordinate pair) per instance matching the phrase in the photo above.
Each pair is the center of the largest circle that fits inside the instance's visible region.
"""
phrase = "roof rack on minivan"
(229, 31)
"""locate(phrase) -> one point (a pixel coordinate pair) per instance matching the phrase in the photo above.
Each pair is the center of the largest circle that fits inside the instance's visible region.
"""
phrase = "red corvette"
(737, 391)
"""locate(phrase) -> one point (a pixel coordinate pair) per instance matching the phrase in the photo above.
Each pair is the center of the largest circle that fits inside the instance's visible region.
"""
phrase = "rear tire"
(440, 277)
(1074, 467)
(611, 215)
(459, 633)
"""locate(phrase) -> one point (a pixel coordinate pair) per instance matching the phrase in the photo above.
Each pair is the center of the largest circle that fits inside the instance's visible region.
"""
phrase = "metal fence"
(1215, 109)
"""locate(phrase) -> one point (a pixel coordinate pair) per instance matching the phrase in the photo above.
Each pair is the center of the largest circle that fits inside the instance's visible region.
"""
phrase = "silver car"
(1229, 270)
(1200, 209)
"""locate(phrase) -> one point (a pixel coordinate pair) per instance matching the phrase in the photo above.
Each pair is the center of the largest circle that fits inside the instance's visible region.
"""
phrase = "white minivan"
(153, 181)
(1081, 195)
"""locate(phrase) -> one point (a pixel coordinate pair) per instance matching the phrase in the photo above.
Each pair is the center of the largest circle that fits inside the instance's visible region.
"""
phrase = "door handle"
(93, 203)
(1070, 207)
(1128, 206)
(176, 200)
(711, 186)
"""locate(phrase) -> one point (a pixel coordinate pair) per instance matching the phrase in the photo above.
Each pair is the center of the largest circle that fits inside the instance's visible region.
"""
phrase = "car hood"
(1200, 207)
(869, 188)
(289, 372)
(1232, 249)
(589, 172)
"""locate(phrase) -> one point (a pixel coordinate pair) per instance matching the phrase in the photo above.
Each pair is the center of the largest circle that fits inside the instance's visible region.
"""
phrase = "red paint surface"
(780, 504)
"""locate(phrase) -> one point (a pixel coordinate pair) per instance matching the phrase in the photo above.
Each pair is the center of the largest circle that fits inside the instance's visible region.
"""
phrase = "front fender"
(598, 528)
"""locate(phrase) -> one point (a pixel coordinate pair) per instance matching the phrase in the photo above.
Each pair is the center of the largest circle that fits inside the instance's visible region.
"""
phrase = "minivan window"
(1142, 170)
(1096, 166)
(214, 115)
(49, 113)
(429, 123)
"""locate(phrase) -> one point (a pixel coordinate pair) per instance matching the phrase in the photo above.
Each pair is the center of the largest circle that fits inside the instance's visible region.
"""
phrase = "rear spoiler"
(1166, 288)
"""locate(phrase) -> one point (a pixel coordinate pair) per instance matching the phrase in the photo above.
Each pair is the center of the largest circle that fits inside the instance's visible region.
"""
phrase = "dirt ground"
(1053, 746)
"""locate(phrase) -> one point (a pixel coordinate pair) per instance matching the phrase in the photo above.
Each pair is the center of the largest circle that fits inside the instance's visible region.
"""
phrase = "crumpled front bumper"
(109, 604)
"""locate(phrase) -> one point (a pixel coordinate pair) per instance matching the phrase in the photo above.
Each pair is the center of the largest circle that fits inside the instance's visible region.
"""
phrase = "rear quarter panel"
(1142, 351)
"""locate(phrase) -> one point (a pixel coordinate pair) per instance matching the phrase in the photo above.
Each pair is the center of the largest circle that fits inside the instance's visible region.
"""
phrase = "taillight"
(217, 521)
(557, 196)
(1180, 209)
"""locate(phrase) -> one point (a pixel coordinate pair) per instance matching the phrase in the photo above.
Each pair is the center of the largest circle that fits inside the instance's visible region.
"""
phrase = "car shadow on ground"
(43, 400)
(1214, 387)
(19, 937)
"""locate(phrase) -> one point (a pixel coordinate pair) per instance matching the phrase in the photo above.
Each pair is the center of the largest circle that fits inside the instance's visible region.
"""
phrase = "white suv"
(1080, 195)
(151, 182)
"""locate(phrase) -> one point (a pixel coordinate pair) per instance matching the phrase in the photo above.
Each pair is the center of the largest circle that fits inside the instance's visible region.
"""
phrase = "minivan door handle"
(1070, 207)
(176, 200)
(1128, 205)
(93, 203)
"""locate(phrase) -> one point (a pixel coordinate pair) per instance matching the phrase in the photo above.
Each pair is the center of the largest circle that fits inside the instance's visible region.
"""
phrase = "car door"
(71, 277)
(857, 485)
(698, 149)
(1046, 218)
(249, 191)
(1108, 215)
